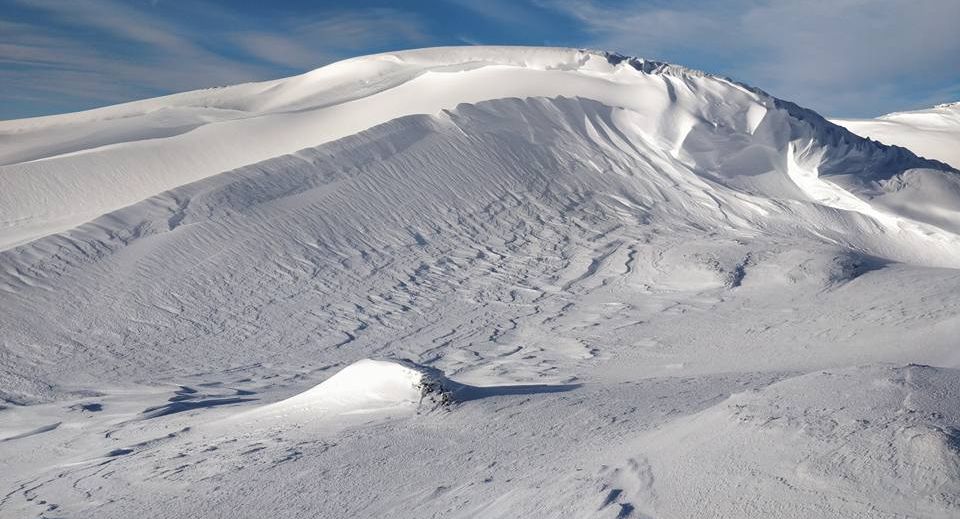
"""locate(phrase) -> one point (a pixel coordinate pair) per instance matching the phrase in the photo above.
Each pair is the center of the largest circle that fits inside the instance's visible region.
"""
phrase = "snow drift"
(366, 386)
(384, 386)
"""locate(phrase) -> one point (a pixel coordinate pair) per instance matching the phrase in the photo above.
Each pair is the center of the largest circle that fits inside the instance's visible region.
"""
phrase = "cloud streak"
(93, 52)
(841, 57)
(315, 40)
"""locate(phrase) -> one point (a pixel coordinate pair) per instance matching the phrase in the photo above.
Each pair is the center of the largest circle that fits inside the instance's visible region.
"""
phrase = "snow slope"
(115, 156)
(883, 447)
(654, 288)
(932, 133)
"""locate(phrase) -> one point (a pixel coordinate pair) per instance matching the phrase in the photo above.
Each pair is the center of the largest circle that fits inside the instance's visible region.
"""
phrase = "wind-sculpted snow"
(411, 199)
(620, 288)
(385, 386)
(366, 386)
(61, 171)
(892, 449)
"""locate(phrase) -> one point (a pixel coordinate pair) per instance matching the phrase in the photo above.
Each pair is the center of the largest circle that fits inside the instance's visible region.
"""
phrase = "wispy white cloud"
(362, 27)
(74, 52)
(312, 41)
(837, 56)
(511, 13)
(276, 49)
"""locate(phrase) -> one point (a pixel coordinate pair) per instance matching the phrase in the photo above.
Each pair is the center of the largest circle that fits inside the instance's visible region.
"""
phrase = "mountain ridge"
(208, 132)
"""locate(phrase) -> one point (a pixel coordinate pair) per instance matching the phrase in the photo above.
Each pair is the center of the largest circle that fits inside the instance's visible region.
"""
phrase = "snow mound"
(391, 386)
(877, 440)
(367, 386)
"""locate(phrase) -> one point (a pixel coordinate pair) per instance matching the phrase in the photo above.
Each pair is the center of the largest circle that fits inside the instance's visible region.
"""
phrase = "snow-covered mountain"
(591, 285)
(932, 133)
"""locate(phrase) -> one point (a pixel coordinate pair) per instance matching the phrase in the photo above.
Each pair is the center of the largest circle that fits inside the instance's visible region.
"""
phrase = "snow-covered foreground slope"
(932, 133)
(620, 289)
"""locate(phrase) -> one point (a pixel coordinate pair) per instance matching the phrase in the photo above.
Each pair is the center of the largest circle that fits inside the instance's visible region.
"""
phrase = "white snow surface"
(362, 387)
(931, 133)
(476, 282)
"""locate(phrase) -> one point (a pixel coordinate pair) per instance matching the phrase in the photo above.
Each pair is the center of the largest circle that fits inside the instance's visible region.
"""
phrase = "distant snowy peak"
(932, 132)
(946, 114)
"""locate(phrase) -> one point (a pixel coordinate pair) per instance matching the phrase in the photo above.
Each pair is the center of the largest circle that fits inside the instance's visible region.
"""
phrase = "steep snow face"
(932, 133)
(60, 171)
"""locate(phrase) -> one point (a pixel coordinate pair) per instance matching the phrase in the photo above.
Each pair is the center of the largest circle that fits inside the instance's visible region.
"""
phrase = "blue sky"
(851, 58)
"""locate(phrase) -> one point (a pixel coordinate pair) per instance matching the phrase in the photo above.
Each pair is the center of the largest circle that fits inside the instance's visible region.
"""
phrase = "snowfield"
(477, 282)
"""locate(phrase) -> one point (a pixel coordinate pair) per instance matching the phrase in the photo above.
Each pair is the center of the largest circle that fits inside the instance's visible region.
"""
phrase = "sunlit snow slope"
(660, 293)
(932, 133)
(112, 157)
